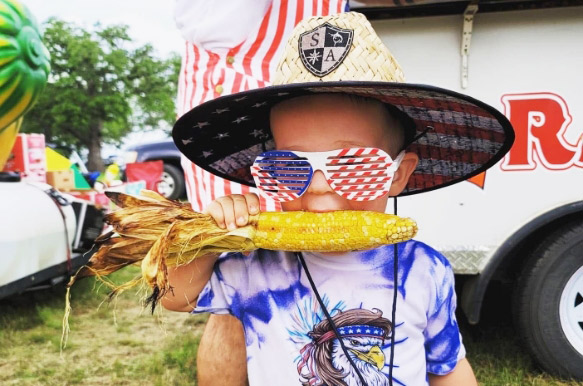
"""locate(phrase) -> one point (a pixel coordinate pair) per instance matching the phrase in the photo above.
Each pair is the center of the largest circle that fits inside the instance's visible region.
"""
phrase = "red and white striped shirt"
(214, 64)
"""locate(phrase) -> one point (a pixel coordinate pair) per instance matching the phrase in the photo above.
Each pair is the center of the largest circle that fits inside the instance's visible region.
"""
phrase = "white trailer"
(45, 235)
(521, 222)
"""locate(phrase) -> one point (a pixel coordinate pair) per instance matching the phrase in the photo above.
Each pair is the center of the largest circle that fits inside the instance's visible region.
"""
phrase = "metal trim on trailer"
(20, 285)
(400, 9)
(475, 288)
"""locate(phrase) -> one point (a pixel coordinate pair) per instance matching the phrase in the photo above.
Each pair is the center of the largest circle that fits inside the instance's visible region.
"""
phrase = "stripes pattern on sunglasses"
(359, 174)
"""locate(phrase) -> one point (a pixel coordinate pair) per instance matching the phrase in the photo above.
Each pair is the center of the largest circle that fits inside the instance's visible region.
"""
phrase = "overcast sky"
(150, 21)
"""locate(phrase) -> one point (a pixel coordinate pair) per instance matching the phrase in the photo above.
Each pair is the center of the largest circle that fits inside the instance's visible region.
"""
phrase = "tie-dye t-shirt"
(289, 340)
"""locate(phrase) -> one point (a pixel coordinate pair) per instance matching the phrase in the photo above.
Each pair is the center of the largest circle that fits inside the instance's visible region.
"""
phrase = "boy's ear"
(407, 167)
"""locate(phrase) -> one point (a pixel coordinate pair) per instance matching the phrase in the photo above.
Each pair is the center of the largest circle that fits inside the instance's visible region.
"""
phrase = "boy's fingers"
(233, 211)
(227, 204)
(215, 210)
(252, 203)
(240, 209)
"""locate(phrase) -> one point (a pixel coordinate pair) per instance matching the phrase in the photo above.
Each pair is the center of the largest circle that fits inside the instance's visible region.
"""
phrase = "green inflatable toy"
(24, 69)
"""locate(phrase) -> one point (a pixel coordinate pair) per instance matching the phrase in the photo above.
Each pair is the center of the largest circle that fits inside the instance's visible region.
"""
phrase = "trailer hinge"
(469, 14)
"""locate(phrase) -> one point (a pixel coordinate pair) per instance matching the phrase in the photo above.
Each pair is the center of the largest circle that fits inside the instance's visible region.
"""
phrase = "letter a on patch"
(324, 48)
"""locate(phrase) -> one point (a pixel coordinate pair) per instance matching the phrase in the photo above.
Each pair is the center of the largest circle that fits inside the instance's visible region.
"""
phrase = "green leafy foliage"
(102, 85)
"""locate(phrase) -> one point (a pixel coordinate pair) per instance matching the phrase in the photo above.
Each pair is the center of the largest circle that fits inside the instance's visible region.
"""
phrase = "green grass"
(497, 358)
(139, 349)
(177, 357)
(132, 348)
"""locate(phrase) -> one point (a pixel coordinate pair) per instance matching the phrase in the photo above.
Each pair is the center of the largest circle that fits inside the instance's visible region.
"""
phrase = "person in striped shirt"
(231, 46)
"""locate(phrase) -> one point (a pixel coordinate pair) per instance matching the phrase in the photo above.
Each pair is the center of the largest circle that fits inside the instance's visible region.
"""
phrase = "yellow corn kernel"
(336, 231)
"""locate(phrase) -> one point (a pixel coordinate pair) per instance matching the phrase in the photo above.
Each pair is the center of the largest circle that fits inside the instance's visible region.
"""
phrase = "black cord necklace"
(395, 290)
(300, 257)
(328, 317)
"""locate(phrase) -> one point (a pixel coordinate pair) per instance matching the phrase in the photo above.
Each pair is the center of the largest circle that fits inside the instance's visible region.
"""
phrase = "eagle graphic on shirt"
(363, 332)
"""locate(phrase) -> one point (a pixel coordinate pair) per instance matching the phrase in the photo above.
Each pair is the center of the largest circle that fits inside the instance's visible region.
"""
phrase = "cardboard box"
(61, 179)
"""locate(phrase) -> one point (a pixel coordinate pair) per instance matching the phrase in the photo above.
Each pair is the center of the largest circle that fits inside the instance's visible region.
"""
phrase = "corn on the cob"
(331, 231)
(161, 233)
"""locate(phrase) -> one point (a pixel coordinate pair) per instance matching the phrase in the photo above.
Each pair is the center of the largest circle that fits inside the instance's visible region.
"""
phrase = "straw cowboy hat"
(455, 136)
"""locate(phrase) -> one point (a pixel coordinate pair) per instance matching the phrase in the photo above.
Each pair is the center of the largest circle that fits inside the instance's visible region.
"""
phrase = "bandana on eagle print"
(324, 48)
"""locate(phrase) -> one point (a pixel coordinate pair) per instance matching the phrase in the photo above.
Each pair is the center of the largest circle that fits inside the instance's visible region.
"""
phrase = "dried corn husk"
(159, 233)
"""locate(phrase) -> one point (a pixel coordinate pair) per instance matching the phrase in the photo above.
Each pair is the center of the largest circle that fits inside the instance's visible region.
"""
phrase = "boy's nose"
(320, 197)
(319, 184)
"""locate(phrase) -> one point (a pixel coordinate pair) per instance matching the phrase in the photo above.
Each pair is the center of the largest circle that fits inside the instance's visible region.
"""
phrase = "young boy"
(351, 105)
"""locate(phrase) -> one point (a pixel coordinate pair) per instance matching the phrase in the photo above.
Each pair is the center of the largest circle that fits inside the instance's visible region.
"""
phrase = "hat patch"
(324, 48)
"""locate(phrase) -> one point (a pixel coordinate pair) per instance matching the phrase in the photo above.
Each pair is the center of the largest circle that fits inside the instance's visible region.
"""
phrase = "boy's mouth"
(323, 210)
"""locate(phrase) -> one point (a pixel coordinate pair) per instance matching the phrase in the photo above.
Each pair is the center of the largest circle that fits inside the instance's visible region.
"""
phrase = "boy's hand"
(233, 211)
(189, 279)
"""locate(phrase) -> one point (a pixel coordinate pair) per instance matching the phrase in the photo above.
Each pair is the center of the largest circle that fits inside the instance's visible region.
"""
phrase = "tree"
(100, 88)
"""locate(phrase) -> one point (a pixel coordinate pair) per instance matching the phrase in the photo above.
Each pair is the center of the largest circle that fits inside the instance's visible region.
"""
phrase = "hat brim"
(465, 136)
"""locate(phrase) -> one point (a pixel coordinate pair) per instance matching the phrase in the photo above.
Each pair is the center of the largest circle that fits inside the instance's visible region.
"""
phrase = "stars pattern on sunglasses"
(207, 154)
(220, 111)
(187, 141)
(359, 174)
(259, 104)
(222, 135)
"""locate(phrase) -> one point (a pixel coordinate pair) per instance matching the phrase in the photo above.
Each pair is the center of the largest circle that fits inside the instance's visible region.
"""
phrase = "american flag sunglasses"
(359, 174)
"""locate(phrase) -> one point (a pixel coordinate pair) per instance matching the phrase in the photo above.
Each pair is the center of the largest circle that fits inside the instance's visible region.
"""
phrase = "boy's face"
(329, 122)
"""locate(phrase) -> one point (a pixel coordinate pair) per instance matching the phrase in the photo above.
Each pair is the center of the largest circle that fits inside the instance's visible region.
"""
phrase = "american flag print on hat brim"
(465, 136)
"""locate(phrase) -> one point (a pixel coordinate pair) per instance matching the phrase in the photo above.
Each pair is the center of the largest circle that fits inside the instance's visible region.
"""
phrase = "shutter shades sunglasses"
(359, 174)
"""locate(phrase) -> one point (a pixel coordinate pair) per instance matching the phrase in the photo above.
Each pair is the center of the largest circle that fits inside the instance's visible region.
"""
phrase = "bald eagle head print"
(363, 332)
